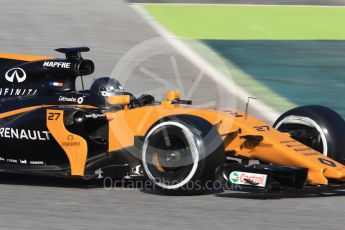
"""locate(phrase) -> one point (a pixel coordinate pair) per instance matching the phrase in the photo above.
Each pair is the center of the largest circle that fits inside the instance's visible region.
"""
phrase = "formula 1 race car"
(48, 128)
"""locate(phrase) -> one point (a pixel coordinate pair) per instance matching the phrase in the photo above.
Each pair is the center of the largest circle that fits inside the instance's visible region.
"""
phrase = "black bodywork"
(26, 144)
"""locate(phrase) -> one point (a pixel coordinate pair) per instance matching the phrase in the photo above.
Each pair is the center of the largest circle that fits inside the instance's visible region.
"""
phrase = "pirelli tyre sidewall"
(197, 143)
(329, 124)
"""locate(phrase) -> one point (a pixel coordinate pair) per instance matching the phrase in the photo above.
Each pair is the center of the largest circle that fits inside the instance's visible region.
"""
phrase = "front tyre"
(318, 127)
(180, 154)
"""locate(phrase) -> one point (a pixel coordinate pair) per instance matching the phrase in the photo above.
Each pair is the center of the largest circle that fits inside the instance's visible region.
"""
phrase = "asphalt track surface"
(112, 28)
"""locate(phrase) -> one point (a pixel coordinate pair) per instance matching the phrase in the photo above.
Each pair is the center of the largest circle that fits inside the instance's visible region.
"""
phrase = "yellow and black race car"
(49, 128)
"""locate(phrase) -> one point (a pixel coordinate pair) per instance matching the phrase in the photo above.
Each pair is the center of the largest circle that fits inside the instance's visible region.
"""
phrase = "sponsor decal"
(17, 74)
(138, 170)
(17, 92)
(55, 64)
(235, 114)
(12, 161)
(112, 91)
(94, 115)
(70, 142)
(99, 173)
(23, 134)
(265, 145)
(246, 178)
(327, 162)
(262, 128)
(298, 147)
(53, 83)
(36, 162)
(234, 177)
(21, 161)
(67, 99)
(79, 100)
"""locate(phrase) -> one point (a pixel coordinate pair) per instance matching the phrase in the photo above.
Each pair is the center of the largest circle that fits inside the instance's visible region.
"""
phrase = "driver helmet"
(106, 87)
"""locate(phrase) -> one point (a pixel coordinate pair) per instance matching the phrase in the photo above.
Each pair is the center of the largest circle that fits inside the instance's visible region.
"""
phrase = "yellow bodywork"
(73, 145)
(22, 57)
(232, 125)
(276, 147)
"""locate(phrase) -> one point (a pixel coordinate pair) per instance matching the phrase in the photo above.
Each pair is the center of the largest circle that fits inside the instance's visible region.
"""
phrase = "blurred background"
(285, 52)
(286, 55)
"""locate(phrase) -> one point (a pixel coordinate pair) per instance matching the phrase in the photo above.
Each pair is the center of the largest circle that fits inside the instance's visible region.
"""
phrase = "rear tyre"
(317, 127)
(180, 155)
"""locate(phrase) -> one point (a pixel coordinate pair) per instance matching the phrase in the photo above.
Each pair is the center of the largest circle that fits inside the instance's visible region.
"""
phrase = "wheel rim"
(306, 122)
(161, 161)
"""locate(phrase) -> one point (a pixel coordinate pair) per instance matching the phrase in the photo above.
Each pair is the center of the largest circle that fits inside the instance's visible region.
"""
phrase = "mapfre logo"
(15, 73)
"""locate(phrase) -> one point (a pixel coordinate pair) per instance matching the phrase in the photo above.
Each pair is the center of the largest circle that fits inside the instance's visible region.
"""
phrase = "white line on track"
(196, 59)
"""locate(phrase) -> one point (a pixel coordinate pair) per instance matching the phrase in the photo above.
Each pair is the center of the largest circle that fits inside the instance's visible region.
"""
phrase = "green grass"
(273, 52)
(251, 22)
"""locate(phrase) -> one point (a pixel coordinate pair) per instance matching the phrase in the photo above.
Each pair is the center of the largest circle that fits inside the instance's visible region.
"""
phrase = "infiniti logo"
(17, 73)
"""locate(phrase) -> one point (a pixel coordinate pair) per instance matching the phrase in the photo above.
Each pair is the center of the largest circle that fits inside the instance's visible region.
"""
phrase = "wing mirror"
(119, 99)
(173, 95)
